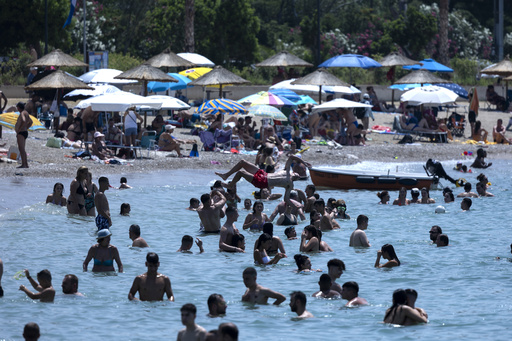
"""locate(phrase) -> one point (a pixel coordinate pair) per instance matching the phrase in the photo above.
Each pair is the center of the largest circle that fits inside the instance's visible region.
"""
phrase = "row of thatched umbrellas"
(149, 71)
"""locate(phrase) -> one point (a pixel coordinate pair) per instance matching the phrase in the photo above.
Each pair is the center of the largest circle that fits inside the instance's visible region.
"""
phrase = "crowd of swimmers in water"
(268, 248)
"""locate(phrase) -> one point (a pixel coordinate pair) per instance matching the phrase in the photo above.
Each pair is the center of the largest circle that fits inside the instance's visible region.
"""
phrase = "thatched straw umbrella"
(284, 59)
(169, 59)
(57, 58)
(219, 76)
(395, 59)
(320, 78)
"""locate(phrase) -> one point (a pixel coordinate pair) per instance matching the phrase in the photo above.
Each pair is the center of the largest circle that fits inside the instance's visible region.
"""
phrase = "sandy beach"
(53, 162)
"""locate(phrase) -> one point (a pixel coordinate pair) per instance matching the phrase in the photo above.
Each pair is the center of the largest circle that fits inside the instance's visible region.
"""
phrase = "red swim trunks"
(260, 179)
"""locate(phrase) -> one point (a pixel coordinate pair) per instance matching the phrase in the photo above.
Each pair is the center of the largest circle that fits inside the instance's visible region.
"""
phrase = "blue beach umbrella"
(161, 86)
(221, 106)
(286, 93)
(405, 87)
(351, 60)
(305, 99)
(459, 90)
(430, 65)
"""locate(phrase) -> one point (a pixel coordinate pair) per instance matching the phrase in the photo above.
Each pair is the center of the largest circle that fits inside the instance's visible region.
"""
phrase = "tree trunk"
(189, 25)
(443, 31)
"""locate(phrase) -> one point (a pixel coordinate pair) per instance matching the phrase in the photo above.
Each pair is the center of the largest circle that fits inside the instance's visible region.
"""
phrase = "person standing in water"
(103, 220)
(151, 285)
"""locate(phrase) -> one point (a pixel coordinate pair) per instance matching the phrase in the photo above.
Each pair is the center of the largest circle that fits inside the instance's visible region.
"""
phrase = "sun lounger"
(432, 136)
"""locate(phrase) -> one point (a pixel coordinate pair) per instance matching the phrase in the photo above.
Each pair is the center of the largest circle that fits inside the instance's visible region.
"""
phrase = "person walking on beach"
(358, 237)
(21, 128)
(130, 121)
(210, 213)
(192, 331)
(70, 285)
(46, 292)
(151, 285)
(350, 293)
(103, 220)
(298, 305)
(255, 293)
(134, 234)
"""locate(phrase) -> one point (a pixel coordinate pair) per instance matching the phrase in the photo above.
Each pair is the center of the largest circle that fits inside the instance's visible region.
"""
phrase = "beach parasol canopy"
(105, 76)
(118, 101)
(421, 77)
(321, 77)
(284, 59)
(431, 95)
(195, 73)
(266, 98)
(286, 93)
(221, 106)
(219, 76)
(57, 58)
(169, 59)
(196, 59)
(160, 86)
(338, 103)
(459, 90)
(146, 73)
(396, 59)
(99, 89)
(351, 60)
(9, 120)
(503, 68)
(58, 80)
(288, 84)
(430, 65)
(267, 111)
(170, 103)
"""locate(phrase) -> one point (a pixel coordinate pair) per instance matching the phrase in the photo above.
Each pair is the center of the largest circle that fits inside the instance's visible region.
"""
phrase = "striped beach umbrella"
(266, 98)
(267, 111)
(221, 106)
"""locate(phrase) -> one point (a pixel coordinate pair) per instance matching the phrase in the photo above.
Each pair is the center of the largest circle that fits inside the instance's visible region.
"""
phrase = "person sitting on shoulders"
(402, 198)
(151, 285)
(57, 198)
(467, 192)
(325, 284)
(400, 313)
(187, 242)
(387, 251)
(257, 294)
(46, 292)
(134, 234)
(350, 293)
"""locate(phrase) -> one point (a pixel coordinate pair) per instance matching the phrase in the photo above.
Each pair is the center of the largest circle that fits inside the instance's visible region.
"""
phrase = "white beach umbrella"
(105, 76)
(118, 101)
(432, 95)
(170, 103)
(99, 89)
(314, 88)
(197, 59)
(338, 103)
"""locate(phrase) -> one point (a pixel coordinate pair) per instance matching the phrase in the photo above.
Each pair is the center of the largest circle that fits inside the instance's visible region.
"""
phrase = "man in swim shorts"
(103, 220)
(255, 293)
(259, 178)
(21, 128)
(151, 285)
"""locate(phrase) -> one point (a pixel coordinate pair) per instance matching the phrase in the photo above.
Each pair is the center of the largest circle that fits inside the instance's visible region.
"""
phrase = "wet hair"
(152, 258)
(464, 168)
(237, 238)
(337, 263)
(135, 229)
(55, 186)
(45, 274)
(411, 292)
(288, 230)
(399, 298)
(268, 228)
(229, 329)
(390, 250)
(124, 206)
(250, 271)
(300, 296)
(216, 184)
(214, 299)
(438, 228)
(331, 202)
(187, 239)
(257, 202)
(444, 238)
(447, 189)
(300, 260)
(319, 202)
(351, 285)
(20, 106)
(262, 239)
(257, 194)
(468, 202)
(312, 229)
(452, 197)
(73, 278)
(194, 201)
(231, 210)
(325, 278)
(103, 180)
(426, 190)
(361, 219)
(467, 187)
(481, 177)
(316, 195)
(319, 235)
(312, 215)
(123, 180)
(31, 331)
(205, 198)
(382, 194)
(480, 152)
(189, 307)
(312, 187)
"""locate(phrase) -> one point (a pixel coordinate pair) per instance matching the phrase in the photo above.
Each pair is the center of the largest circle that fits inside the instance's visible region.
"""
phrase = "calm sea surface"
(465, 290)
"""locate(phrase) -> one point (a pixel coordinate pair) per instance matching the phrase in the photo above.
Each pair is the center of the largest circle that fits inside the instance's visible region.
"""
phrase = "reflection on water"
(451, 281)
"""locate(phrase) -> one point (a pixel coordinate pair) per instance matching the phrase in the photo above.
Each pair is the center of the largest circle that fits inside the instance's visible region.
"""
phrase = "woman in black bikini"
(77, 192)
(400, 313)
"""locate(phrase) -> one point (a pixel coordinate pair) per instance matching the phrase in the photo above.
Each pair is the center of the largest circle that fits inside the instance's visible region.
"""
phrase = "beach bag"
(54, 142)
(359, 112)
(13, 153)
(406, 139)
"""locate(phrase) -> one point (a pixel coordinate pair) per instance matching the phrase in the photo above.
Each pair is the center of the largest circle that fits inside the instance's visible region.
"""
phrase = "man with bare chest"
(210, 212)
(151, 285)
(255, 293)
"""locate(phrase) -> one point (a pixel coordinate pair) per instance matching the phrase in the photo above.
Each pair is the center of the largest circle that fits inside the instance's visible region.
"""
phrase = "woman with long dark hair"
(400, 313)
(387, 251)
(260, 254)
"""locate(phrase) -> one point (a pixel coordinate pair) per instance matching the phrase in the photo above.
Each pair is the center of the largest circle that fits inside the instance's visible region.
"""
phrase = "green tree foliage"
(23, 21)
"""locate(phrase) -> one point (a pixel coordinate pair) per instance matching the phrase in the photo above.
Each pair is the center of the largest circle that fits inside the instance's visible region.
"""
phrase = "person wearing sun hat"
(169, 143)
(103, 253)
(99, 148)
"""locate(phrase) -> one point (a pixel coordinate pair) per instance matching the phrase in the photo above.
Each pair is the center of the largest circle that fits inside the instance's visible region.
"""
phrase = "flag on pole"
(71, 12)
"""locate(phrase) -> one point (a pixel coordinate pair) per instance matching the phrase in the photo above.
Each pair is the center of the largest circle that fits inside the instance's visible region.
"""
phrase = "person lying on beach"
(46, 292)
(402, 198)
(350, 293)
(480, 159)
(187, 242)
(151, 285)
(411, 123)
(298, 305)
(325, 283)
(57, 198)
(387, 251)
(134, 234)
(255, 293)
(259, 178)
(400, 313)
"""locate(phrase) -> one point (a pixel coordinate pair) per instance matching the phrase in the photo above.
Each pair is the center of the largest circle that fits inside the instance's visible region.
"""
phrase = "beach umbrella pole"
(320, 94)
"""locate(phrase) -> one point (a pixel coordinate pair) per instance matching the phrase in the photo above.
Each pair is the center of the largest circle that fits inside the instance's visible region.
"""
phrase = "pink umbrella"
(265, 98)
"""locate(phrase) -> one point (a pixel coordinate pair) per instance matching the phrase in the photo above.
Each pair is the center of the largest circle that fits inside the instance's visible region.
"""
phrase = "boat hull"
(354, 179)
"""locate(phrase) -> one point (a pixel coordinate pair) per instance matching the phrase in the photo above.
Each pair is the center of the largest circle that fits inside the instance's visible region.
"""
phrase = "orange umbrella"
(474, 104)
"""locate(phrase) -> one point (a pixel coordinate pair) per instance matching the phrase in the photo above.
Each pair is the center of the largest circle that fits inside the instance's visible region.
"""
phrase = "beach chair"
(224, 139)
(148, 141)
(456, 123)
(431, 136)
(208, 141)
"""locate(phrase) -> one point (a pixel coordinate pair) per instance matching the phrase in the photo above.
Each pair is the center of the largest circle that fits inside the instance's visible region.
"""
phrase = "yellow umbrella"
(195, 72)
(9, 119)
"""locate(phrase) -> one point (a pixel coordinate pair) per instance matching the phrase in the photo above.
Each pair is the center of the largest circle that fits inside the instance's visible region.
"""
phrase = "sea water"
(464, 288)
